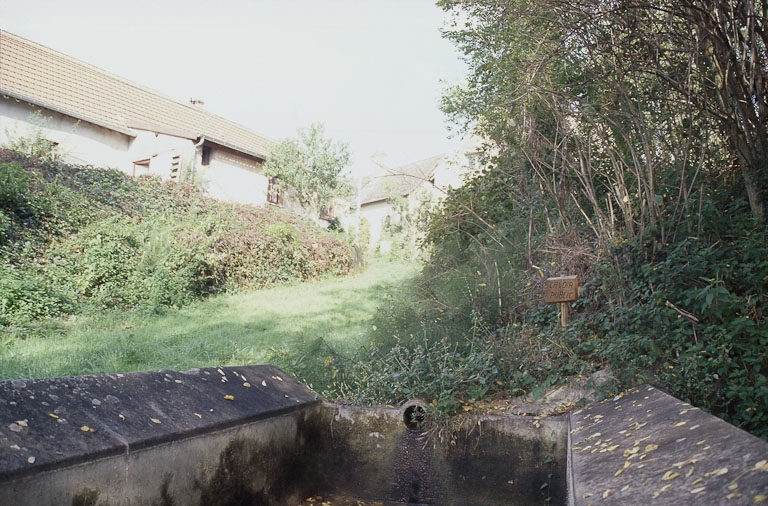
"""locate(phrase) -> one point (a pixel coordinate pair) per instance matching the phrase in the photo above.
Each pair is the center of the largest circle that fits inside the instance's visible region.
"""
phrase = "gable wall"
(233, 177)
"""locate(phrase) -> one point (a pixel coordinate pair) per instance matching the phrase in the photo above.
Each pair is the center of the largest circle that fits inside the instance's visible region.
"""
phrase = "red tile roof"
(47, 78)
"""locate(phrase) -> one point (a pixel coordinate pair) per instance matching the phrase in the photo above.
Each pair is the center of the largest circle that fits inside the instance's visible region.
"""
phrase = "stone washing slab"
(647, 447)
(56, 422)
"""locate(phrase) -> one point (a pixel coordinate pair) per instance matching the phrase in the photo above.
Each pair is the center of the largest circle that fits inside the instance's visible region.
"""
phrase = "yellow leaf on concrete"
(229, 397)
(247, 385)
(53, 416)
(669, 475)
(155, 420)
(762, 465)
(759, 498)
(21, 423)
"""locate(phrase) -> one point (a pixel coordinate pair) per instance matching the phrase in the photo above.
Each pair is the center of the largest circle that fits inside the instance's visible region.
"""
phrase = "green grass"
(240, 329)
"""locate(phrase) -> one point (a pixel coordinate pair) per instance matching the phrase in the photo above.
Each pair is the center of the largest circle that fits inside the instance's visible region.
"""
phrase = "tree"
(312, 167)
(606, 92)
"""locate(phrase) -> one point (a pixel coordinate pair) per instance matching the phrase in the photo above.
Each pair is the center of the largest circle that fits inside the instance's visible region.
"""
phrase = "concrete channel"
(255, 436)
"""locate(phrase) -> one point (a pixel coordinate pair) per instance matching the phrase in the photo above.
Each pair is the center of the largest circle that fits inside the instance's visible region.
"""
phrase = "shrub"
(25, 297)
(694, 322)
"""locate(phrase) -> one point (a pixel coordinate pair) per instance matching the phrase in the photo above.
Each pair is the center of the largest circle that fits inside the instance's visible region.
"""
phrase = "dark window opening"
(206, 158)
(327, 213)
(273, 191)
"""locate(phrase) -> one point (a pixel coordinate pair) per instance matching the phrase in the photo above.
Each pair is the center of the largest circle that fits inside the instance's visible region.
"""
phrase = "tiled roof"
(44, 77)
(400, 181)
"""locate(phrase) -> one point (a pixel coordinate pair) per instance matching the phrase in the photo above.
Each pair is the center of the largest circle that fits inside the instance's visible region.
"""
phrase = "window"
(273, 192)
(327, 213)
(206, 156)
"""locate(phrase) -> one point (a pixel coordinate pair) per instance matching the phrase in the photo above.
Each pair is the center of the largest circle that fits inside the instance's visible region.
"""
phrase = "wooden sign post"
(562, 290)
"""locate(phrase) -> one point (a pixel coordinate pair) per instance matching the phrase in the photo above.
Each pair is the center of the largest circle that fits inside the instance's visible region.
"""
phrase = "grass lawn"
(227, 330)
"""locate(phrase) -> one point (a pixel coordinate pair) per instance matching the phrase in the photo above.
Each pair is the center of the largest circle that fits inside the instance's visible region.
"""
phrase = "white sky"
(372, 71)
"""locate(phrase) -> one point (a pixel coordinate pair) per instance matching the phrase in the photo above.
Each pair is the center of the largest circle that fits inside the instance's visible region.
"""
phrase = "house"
(392, 195)
(97, 118)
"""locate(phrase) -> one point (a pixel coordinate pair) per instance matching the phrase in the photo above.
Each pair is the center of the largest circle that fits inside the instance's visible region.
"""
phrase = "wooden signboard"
(562, 290)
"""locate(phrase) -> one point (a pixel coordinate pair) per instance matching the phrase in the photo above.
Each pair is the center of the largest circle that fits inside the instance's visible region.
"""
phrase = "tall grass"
(247, 328)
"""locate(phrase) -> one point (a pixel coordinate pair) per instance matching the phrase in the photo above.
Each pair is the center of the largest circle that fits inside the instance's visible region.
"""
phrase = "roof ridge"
(116, 93)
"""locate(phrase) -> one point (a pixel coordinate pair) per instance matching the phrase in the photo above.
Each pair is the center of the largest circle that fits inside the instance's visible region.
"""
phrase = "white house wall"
(228, 176)
(79, 142)
(160, 149)
(234, 178)
(376, 214)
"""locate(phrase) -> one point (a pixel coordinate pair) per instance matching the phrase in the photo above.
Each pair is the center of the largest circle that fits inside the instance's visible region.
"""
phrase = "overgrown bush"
(694, 322)
(29, 296)
(74, 237)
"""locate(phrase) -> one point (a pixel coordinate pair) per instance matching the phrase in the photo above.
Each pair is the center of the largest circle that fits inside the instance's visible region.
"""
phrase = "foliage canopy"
(313, 167)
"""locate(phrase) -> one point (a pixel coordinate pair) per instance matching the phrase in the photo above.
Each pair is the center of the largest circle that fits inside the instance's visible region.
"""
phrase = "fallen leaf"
(198, 415)
(679, 424)
(717, 472)
(733, 486)
(263, 383)
(760, 466)
(651, 447)
(759, 498)
(698, 490)
(31, 460)
(121, 416)
(155, 420)
(631, 451)
(21, 423)
(229, 397)
(53, 416)
(733, 495)
(85, 428)
(669, 475)
(247, 385)
(607, 493)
